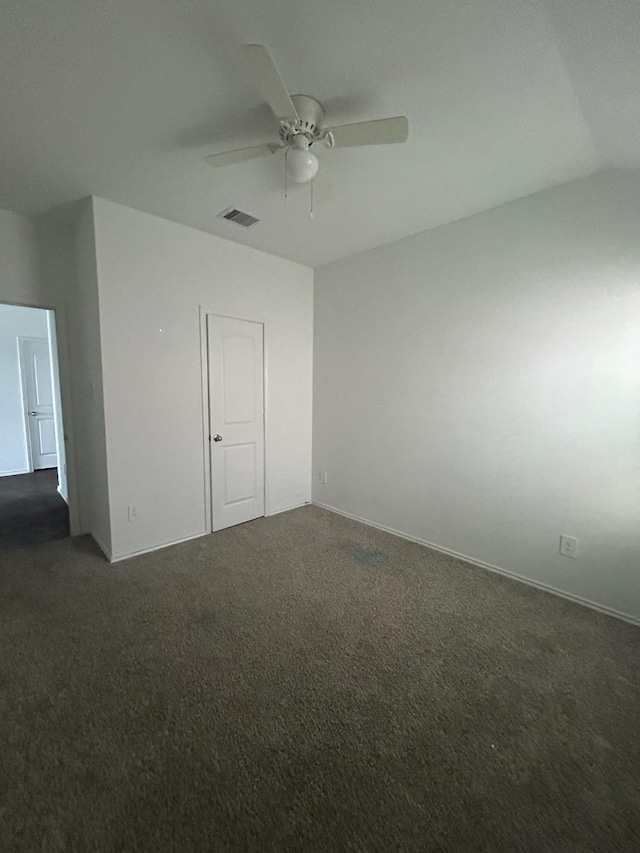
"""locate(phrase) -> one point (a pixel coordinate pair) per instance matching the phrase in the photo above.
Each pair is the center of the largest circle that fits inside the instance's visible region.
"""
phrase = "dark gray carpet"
(31, 510)
(305, 683)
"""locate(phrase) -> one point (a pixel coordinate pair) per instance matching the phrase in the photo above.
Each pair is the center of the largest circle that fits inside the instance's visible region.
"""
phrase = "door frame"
(206, 426)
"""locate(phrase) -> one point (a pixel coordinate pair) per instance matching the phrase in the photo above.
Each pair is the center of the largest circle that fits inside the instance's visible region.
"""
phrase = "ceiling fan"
(301, 119)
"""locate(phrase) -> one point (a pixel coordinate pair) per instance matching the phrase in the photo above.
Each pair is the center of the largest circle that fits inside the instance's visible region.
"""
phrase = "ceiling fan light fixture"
(302, 165)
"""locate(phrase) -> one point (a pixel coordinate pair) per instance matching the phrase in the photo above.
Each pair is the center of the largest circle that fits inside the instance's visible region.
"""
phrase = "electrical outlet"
(324, 479)
(568, 546)
(132, 511)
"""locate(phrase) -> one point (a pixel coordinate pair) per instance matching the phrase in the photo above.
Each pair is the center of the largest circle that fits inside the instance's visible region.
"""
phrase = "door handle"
(217, 438)
(33, 414)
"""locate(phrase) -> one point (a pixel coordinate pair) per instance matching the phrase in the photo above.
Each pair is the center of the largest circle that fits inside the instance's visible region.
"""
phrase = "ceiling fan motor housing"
(309, 123)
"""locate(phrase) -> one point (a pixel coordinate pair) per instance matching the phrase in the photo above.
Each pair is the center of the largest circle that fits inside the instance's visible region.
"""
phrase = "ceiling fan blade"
(381, 131)
(323, 189)
(238, 155)
(263, 73)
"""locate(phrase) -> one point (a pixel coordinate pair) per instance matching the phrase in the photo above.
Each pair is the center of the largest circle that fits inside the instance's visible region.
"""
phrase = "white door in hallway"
(236, 420)
(35, 363)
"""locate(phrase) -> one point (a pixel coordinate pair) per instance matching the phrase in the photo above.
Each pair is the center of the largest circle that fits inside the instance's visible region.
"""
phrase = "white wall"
(15, 322)
(88, 393)
(19, 271)
(478, 387)
(153, 277)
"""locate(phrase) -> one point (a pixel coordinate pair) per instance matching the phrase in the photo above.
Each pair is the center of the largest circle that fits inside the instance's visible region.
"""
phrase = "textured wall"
(478, 387)
(154, 276)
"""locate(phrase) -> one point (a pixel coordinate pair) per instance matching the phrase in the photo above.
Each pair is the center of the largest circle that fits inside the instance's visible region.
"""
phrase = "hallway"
(31, 510)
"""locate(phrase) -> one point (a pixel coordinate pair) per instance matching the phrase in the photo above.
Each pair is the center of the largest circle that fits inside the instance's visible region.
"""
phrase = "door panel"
(36, 366)
(46, 437)
(240, 473)
(239, 365)
(41, 365)
(236, 417)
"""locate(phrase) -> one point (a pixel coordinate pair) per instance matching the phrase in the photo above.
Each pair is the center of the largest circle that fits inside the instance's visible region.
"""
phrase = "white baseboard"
(102, 546)
(601, 608)
(286, 509)
(157, 547)
(14, 473)
(179, 541)
(186, 538)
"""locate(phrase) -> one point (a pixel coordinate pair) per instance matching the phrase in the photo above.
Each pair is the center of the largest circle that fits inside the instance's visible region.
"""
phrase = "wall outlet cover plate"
(568, 546)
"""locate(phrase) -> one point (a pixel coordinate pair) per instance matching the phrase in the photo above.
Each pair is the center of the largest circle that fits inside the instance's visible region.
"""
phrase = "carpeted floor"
(305, 683)
(31, 510)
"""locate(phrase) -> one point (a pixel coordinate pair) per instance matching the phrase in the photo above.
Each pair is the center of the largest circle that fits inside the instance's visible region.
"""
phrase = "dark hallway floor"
(31, 510)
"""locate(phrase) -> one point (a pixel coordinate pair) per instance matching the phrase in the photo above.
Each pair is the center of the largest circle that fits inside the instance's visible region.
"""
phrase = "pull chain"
(286, 154)
(311, 202)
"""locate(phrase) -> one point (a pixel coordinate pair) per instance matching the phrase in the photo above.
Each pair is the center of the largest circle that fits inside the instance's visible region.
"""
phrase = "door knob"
(217, 438)
(33, 413)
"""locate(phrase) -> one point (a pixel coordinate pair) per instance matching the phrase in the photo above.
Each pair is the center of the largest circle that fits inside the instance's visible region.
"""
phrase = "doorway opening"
(33, 468)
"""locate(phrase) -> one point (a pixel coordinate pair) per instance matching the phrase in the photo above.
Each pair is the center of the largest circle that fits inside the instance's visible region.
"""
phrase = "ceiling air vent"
(237, 216)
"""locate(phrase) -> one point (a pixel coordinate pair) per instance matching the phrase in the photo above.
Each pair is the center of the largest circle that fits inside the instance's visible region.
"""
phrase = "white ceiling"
(123, 100)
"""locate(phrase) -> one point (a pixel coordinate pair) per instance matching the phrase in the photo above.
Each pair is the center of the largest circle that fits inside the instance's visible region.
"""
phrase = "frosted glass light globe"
(302, 165)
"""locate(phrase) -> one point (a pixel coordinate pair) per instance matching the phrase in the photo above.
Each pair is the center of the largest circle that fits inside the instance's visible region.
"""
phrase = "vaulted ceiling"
(123, 100)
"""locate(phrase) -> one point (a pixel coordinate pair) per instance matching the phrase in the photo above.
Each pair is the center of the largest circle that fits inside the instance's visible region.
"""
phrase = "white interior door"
(38, 393)
(236, 420)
